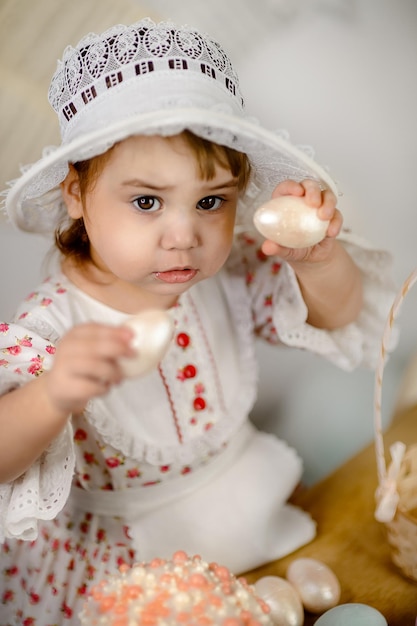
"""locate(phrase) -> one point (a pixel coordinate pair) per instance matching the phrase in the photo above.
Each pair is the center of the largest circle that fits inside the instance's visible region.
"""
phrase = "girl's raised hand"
(86, 365)
(325, 203)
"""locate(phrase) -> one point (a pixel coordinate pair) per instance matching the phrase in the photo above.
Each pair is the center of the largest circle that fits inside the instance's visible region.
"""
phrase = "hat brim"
(34, 202)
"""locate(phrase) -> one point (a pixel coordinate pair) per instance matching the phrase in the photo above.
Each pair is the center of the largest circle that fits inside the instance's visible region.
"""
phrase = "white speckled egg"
(316, 583)
(352, 615)
(290, 222)
(282, 599)
(153, 330)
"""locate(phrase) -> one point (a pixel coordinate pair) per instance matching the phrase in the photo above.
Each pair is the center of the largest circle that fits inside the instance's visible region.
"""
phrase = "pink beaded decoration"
(184, 590)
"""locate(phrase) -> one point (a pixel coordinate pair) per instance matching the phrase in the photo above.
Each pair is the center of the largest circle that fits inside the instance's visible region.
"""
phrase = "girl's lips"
(176, 275)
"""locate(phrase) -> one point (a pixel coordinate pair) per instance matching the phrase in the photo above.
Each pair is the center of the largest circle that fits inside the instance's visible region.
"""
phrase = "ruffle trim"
(40, 493)
(358, 343)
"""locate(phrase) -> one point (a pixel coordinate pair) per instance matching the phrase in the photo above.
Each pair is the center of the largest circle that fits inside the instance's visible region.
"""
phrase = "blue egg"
(352, 615)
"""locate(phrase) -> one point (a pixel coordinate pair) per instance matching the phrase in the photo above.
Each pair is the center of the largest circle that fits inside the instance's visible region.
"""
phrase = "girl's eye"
(210, 203)
(147, 203)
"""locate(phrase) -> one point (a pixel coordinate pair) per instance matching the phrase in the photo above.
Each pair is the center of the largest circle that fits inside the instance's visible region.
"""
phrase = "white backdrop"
(339, 75)
(345, 81)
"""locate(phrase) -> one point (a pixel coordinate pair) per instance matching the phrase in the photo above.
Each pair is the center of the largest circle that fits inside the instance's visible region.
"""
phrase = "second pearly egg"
(316, 583)
(282, 599)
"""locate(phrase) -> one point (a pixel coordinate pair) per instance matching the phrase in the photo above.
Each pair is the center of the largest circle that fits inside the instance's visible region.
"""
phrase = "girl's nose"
(180, 232)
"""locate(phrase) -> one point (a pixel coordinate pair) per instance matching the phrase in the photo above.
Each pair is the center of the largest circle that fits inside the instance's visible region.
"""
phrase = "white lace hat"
(149, 78)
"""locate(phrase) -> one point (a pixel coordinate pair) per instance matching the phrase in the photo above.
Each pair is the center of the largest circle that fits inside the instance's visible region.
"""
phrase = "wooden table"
(350, 540)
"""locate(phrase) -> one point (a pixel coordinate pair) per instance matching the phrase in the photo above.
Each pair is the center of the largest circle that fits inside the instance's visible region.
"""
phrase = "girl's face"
(155, 226)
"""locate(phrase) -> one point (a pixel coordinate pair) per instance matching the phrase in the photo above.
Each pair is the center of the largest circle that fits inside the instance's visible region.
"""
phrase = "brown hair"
(73, 240)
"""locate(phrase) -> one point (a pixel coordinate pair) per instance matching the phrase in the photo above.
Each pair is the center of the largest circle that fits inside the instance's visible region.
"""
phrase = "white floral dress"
(168, 461)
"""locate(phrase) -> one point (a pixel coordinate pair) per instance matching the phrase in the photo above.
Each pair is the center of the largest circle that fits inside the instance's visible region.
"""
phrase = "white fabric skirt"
(232, 511)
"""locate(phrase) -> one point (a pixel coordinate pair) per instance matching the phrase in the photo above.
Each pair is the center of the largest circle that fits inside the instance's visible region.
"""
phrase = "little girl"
(151, 196)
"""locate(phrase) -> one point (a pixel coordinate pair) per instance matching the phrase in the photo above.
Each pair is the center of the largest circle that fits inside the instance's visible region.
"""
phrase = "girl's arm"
(86, 365)
(332, 289)
(329, 280)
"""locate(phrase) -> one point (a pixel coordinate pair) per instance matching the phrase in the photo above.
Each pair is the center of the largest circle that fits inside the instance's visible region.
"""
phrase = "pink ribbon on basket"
(387, 495)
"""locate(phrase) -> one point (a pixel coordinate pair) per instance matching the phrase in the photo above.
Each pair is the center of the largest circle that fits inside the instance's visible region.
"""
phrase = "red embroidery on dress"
(171, 404)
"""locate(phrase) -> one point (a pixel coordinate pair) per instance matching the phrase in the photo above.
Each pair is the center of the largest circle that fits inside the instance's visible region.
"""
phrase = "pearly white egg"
(282, 599)
(290, 222)
(317, 585)
(153, 330)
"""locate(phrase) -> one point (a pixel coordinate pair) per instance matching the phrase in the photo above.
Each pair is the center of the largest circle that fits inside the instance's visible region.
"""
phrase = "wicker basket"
(397, 489)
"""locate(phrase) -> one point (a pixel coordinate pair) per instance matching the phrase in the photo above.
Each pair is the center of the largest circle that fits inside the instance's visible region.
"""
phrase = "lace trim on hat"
(102, 62)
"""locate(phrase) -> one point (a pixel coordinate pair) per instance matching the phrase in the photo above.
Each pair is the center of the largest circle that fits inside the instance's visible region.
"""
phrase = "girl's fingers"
(90, 344)
(95, 369)
(327, 209)
(102, 341)
(335, 225)
(313, 193)
(322, 199)
(288, 188)
(86, 364)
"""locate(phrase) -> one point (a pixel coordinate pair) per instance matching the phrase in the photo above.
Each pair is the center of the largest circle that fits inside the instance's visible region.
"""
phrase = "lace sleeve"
(280, 312)
(42, 491)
